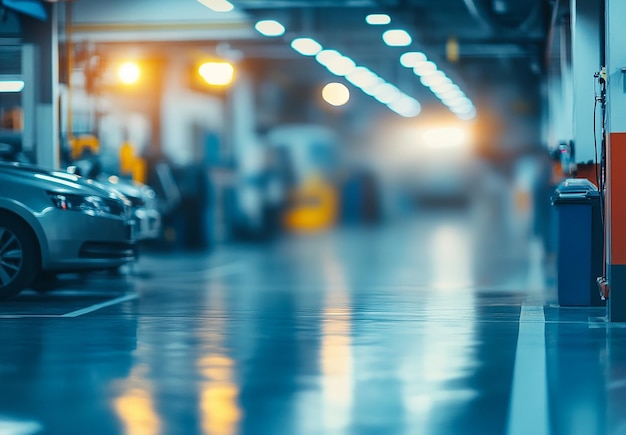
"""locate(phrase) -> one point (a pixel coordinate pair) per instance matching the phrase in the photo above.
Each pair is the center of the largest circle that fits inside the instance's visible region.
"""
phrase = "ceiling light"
(306, 46)
(11, 85)
(378, 19)
(468, 115)
(270, 28)
(217, 73)
(217, 5)
(129, 73)
(341, 66)
(434, 78)
(325, 57)
(372, 87)
(424, 68)
(406, 106)
(386, 93)
(412, 58)
(362, 77)
(397, 38)
(441, 86)
(336, 94)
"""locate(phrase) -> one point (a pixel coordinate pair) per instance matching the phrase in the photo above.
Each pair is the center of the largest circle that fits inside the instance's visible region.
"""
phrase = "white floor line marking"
(95, 307)
(528, 409)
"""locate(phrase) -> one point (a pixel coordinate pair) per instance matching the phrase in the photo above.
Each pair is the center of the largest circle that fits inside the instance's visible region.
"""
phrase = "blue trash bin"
(580, 242)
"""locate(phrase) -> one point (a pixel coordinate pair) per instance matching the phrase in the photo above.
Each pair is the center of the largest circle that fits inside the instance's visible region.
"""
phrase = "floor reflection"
(404, 329)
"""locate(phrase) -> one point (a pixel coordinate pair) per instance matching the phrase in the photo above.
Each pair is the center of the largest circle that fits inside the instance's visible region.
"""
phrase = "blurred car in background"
(52, 221)
(143, 198)
(143, 202)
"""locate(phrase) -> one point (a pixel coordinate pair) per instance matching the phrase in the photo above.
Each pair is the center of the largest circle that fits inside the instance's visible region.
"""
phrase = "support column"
(616, 159)
(40, 69)
(586, 50)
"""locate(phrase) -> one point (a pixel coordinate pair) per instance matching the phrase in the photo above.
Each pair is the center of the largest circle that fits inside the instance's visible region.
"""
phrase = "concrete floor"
(441, 325)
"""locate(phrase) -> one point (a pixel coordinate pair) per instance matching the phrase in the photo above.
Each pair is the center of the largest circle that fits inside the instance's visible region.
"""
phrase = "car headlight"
(90, 204)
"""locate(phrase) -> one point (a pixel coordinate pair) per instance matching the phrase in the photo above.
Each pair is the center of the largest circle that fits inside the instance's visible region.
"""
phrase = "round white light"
(269, 28)
(306, 46)
(397, 38)
(336, 94)
(378, 19)
(341, 66)
(412, 58)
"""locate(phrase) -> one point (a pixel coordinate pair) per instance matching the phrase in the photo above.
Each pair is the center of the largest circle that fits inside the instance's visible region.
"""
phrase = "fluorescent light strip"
(441, 86)
(359, 76)
(397, 38)
(11, 85)
(434, 79)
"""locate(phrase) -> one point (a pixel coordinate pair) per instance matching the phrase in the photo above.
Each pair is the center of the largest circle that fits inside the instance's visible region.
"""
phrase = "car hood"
(56, 181)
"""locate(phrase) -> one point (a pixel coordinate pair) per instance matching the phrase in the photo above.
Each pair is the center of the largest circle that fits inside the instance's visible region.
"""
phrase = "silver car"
(53, 221)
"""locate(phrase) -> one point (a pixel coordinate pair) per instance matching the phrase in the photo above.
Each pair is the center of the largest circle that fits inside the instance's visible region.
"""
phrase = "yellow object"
(452, 49)
(79, 143)
(139, 170)
(132, 165)
(127, 158)
(314, 207)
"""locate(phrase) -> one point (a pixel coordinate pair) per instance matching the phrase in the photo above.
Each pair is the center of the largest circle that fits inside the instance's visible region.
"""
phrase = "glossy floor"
(442, 325)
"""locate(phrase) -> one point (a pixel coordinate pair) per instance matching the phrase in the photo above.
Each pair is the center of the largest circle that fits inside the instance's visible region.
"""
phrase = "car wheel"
(19, 262)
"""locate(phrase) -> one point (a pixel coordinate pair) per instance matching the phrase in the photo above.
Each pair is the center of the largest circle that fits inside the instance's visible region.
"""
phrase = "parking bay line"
(96, 307)
(528, 408)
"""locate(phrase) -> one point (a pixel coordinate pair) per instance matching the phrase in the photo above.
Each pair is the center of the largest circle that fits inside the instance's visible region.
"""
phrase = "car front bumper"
(80, 241)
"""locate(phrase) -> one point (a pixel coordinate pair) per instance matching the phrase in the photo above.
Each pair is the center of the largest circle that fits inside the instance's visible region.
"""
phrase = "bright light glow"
(217, 5)
(406, 106)
(129, 73)
(306, 46)
(270, 28)
(453, 91)
(336, 94)
(326, 57)
(378, 19)
(397, 38)
(464, 108)
(359, 76)
(441, 86)
(459, 100)
(217, 73)
(433, 79)
(386, 93)
(362, 77)
(468, 115)
(341, 66)
(412, 58)
(371, 89)
(11, 85)
(446, 137)
(424, 68)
